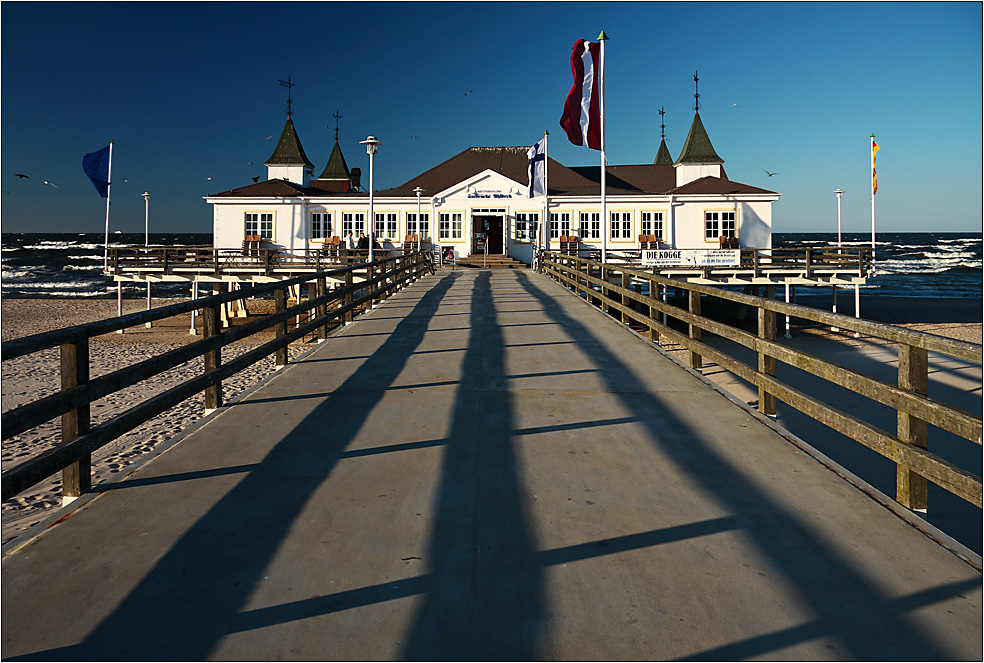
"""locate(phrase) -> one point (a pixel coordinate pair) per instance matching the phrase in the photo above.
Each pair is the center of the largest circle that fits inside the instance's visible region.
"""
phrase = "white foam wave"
(82, 268)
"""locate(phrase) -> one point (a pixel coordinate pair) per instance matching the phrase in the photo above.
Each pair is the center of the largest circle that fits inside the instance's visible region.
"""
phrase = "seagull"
(735, 106)
(256, 179)
(249, 163)
(413, 136)
(50, 183)
(208, 178)
(22, 176)
(469, 92)
(269, 137)
(768, 173)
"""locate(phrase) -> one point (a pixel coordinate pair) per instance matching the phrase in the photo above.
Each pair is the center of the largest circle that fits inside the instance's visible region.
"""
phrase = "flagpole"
(873, 181)
(546, 196)
(109, 177)
(605, 221)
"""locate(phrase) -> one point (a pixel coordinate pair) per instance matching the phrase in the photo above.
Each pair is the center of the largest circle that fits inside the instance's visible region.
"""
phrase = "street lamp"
(420, 241)
(371, 146)
(146, 197)
(838, 192)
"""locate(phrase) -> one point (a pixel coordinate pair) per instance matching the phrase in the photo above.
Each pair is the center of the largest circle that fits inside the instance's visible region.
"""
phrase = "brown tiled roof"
(717, 185)
(510, 162)
(272, 189)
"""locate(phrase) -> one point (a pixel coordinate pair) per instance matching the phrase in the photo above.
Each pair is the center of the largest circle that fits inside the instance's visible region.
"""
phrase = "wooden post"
(766, 364)
(213, 359)
(696, 361)
(77, 477)
(604, 288)
(280, 305)
(653, 312)
(624, 300)
(349, 281)
(322, 310)
(913, 377)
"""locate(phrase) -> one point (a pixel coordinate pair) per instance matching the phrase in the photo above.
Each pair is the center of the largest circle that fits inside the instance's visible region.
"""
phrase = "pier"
(486, 466)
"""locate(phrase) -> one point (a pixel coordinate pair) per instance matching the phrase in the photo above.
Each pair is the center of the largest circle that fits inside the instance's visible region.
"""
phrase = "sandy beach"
(28, 378)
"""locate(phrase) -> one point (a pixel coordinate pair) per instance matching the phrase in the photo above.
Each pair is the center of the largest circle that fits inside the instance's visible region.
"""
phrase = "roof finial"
(337, 118)
(662, 127)
(696, 92)
(287, 84)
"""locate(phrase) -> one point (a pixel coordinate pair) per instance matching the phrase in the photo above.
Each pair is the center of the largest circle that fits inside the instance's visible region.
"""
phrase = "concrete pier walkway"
(486, 468)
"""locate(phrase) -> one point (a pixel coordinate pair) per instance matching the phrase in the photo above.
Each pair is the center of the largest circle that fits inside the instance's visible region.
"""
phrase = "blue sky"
(190, 91)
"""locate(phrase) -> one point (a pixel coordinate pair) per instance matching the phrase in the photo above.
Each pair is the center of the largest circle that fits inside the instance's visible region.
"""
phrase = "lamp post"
(371, 146)
(146, 197)
(418, 191)
(838, 192)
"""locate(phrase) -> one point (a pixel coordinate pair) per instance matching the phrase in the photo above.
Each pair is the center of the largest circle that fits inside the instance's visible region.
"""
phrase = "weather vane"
(662, 127)
(287, 84)
(696, 92)
(337, 118)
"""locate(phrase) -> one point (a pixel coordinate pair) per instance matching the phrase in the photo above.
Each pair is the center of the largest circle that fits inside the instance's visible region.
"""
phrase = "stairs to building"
(480, 261)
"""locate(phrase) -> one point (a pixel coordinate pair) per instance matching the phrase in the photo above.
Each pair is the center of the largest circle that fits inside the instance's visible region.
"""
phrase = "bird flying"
(22, 176)
(735, 106)
(256, 179)
(467, 93)
(768, 173)
(50, 183)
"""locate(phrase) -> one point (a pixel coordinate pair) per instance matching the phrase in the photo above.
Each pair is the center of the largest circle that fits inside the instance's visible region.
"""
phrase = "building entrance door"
(491, 227)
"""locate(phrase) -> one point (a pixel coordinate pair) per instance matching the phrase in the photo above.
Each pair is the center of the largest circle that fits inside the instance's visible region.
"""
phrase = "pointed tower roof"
(663, 157)
(288, 151)
(698, 148)
(336, 168)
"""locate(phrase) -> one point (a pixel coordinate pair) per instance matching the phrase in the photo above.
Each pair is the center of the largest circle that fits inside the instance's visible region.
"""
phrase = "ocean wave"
(82, 268)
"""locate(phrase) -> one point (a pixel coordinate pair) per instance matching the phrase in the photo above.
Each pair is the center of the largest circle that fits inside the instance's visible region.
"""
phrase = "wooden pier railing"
(617, 289)
(377, 280)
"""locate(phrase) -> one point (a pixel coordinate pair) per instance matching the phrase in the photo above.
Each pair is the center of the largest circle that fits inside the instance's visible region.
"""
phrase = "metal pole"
(838, 192)
(601, 107)
(372, 216)
(109, 176)
(146, 197)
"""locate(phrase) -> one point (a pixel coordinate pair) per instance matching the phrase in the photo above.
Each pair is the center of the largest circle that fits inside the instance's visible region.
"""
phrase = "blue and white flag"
(538, 168)
(96, 167)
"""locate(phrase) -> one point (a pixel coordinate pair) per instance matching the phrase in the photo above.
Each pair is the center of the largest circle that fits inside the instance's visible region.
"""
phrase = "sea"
(39, 265)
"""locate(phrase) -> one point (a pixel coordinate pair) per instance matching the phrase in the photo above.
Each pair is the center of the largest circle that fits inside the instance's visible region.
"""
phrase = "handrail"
(909, 397)
(73, 454)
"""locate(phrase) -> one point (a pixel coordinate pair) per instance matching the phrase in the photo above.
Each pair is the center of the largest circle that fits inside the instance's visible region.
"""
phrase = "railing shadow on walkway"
(156, 619)
(508, 582)
(803, 560)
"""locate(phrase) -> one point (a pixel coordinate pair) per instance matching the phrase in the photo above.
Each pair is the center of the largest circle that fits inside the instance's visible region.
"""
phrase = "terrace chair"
(653, 241)
(572, 245)
(728, 242)
(251, 246)
(563, 245)
(643, 242)
(408, 244)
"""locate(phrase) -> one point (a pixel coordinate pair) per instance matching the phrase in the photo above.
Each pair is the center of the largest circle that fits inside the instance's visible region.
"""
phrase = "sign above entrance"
(490, 193)
(692, 257)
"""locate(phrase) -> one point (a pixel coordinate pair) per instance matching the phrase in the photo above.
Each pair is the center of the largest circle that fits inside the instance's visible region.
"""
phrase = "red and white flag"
(582, 111)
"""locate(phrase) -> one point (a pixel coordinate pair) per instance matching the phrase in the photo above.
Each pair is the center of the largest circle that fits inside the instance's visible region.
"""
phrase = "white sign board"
(691, 257)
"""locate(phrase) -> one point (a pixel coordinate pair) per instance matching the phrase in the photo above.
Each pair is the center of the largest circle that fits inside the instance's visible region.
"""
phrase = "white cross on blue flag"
(538, 168)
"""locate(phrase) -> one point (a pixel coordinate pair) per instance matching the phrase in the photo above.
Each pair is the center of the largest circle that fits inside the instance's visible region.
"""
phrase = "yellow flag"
(874, 173)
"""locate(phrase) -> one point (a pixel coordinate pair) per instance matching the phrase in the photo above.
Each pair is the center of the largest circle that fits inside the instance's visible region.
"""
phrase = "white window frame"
(384, 226)
(449, 225)
(590, 224)
(560, 224)
(526, 225)
(651, 223)
(261, 224)
(423, 227)
(354, 222)
(719, 223)
(320, 225)
(621, 225)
